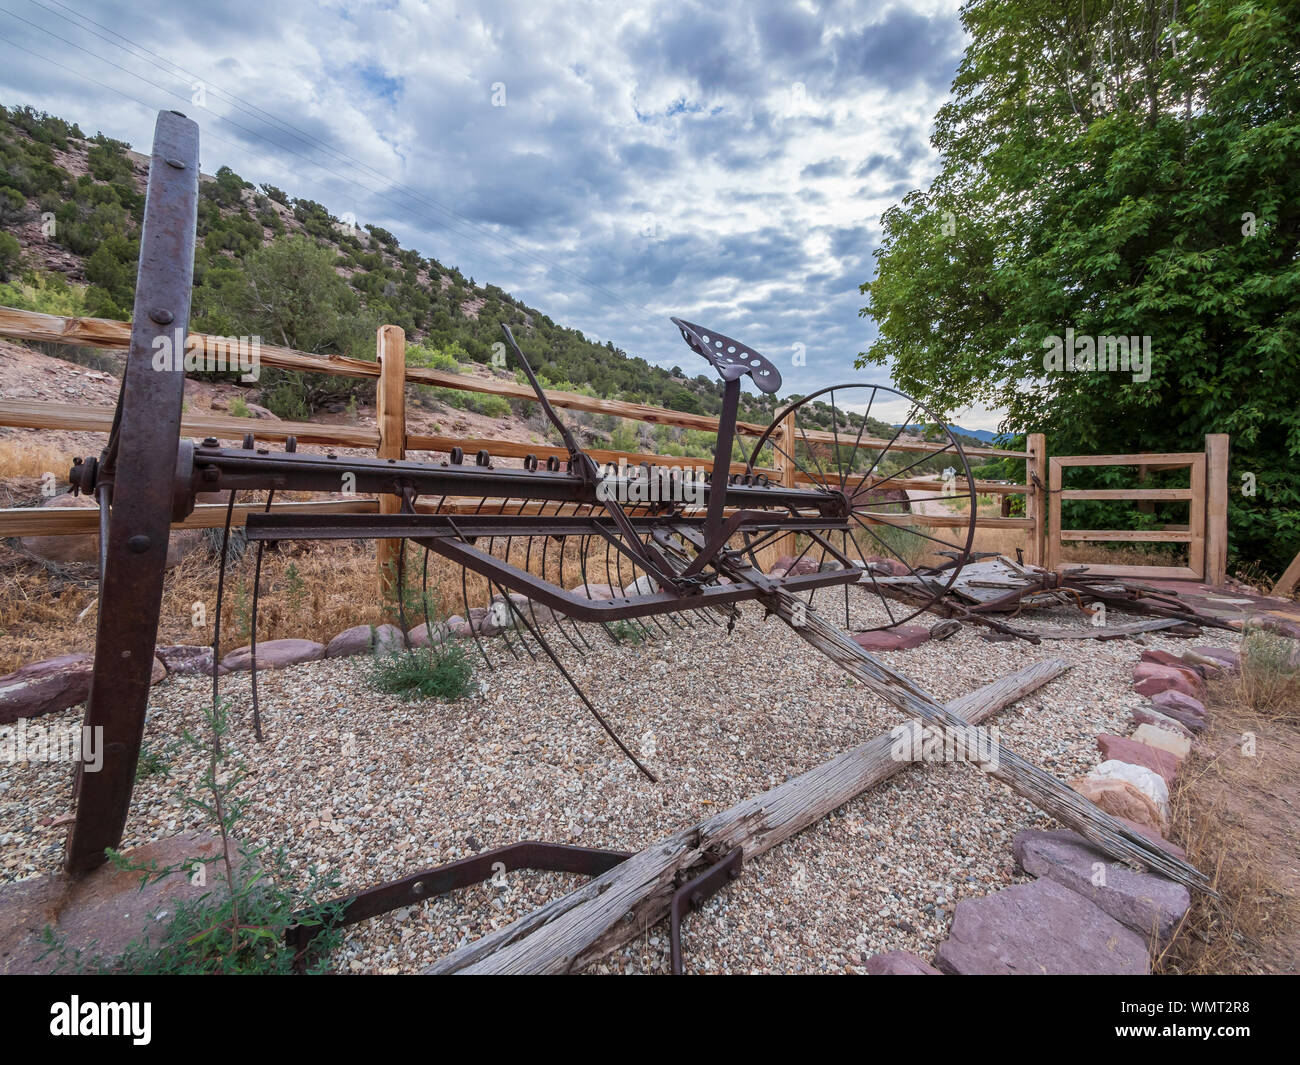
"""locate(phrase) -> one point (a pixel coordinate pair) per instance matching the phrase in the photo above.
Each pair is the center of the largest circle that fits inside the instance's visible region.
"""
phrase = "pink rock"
(1229, 659)
(1164, 658)
(1149, 678)
(274, 654)
(360, 640)
(898, 963)
(1146, 903)
(45, 687)
(1182, 708)
(596, 591)
(1155, 837)
(423, 635)
(900, 638)
(1039, 928)
(459, 627)
(1146, 715)
(1137, 753)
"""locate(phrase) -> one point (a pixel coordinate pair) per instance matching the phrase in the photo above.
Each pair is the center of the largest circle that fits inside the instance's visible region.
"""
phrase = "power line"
(413, 194)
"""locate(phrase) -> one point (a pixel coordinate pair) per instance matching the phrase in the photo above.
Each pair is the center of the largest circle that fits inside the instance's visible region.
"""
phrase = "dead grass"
(24, 456)
(1234, 809)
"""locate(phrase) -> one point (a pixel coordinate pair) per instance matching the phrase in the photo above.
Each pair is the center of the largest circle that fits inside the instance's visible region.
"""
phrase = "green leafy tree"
(1126, 169)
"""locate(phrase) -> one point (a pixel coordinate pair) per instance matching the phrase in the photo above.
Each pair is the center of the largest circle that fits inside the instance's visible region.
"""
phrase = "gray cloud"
(727, 162)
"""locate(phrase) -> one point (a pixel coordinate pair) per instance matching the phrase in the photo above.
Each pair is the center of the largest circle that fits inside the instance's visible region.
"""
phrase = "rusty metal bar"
(140, 461)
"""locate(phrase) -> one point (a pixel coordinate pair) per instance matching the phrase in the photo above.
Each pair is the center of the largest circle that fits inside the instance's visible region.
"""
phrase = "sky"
(608, 163)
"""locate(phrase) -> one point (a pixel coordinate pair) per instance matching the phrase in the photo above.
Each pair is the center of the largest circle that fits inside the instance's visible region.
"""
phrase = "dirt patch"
(1236, 808)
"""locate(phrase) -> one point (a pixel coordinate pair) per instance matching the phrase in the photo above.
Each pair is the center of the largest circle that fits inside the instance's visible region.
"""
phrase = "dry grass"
(311, 591)
(25, 456)
(1234, 810)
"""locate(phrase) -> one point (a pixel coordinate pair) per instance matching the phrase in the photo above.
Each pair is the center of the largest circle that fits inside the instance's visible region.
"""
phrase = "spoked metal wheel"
(910, 512)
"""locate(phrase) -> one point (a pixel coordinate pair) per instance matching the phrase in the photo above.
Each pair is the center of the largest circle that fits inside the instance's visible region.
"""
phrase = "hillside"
(290, 271)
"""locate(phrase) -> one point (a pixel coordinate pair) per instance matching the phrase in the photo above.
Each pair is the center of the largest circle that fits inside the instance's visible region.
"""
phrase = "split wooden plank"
(571, 932)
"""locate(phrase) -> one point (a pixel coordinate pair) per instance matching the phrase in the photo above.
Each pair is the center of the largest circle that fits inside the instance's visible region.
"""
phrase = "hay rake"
(675, 549)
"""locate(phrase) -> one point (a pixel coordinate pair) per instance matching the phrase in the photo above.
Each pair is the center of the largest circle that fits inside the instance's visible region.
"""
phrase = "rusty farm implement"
(671, 549)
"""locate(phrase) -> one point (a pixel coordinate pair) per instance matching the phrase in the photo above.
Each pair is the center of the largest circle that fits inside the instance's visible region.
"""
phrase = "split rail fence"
(390, 439)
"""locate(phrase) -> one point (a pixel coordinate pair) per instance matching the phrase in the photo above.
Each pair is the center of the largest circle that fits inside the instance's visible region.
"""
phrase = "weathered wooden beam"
(573, 931)
(1054, 798)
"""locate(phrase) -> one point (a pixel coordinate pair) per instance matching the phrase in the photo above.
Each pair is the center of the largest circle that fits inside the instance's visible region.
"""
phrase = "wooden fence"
(390, 438)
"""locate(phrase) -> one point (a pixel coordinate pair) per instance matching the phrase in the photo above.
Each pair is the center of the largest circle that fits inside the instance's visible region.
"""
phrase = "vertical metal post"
(722, 458)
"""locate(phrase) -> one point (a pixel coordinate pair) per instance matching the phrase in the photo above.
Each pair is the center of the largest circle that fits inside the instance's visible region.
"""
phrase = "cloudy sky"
(609, 163)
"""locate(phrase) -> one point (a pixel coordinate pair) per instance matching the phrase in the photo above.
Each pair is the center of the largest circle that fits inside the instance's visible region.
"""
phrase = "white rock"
(641, 586)
(1150, 783)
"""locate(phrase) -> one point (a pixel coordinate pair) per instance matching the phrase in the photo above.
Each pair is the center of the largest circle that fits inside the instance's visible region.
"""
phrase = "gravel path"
(376, 788)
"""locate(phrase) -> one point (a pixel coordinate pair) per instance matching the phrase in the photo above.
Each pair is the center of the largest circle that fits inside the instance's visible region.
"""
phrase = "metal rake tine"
(216, 625)
(252, 639)
(464, 598)
(561, 619)
(545, 645)
(546, 546)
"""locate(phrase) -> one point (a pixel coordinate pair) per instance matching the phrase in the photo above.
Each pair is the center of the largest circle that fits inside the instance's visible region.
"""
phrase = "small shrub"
(239, 927)
(151, 764)
(492, 406)
(1270, 674)
(239, 409)
(625, 632)
(438, 671)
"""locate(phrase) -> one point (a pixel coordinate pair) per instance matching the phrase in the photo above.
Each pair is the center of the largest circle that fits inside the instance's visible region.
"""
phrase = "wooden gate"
(1206, 531)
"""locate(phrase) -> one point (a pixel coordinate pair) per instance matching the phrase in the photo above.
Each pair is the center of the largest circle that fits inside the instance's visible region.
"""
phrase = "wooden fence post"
(785, 545)
(1216, 509)
(1036, 499)
(1052, 539)
(390, 412)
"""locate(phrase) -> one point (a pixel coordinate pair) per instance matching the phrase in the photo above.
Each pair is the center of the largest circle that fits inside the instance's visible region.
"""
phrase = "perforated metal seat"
(729, 357)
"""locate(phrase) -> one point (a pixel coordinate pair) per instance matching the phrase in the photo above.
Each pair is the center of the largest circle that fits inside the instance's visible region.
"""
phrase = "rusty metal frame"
(140, 466)
(430, 883)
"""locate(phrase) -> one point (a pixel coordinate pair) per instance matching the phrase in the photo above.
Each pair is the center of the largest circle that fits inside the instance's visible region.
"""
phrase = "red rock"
(898, 963)
(274, 654)
(1149, 678)
(1227, 658)
(158, 673)
(1164, 658)
(104, 912)
(359, 640)
(1150, 905)
(45, 687)
(1182, 708)
(1040, 928)
(1137, 753)
(900, 638)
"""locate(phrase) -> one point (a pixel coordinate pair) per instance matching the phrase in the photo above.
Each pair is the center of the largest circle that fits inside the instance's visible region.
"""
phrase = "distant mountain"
(984, 436)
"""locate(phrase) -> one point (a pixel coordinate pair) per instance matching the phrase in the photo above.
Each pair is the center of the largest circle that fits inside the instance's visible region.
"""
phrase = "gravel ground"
(374, 788)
